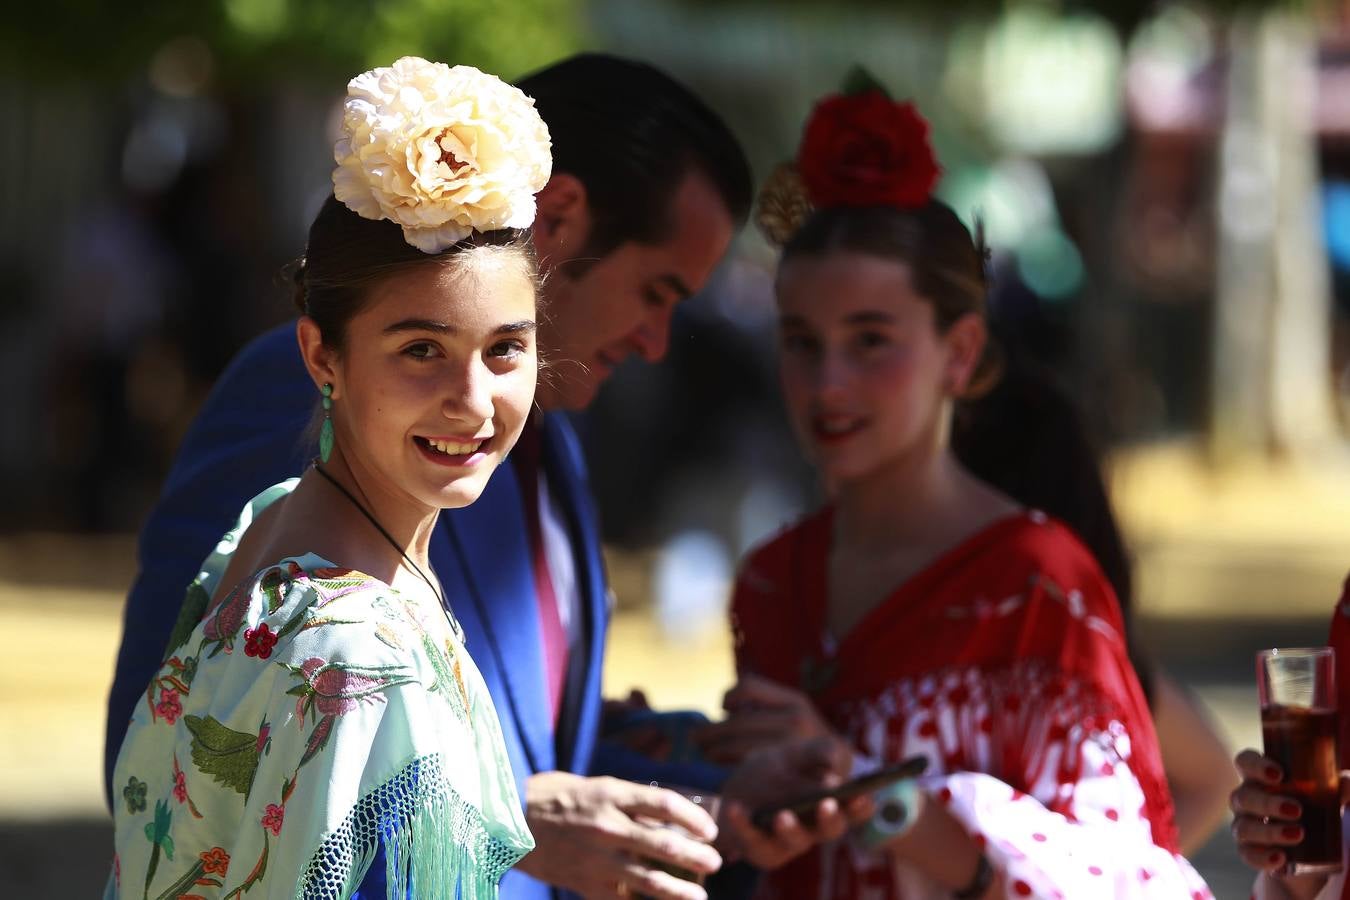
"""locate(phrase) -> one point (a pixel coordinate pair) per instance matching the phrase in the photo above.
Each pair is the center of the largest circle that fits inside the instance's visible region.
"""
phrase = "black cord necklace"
(387, 536)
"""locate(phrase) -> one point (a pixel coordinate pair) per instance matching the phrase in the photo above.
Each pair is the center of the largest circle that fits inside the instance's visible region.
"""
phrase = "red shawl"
(1007, 653)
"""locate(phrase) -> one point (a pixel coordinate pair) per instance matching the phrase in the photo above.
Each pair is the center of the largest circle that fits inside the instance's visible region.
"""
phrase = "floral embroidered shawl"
(310, 715)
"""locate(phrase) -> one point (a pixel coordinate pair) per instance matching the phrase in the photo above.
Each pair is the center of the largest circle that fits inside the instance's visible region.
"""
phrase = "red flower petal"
(867, 150)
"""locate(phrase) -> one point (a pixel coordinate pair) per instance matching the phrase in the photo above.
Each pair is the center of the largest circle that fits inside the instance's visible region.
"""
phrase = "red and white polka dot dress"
(1004, 664)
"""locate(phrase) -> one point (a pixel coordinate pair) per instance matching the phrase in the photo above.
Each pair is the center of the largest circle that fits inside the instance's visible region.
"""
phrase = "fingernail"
(1273, 773)
(1291, 832)
(1275, 858)
(1290, 810)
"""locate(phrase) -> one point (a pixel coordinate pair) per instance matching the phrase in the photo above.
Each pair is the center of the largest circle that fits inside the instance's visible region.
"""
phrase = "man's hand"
(616, 718)
(760, 713)
(602, 837)
(777, 774)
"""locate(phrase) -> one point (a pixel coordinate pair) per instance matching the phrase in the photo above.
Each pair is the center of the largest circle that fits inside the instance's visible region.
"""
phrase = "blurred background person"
(921, 612)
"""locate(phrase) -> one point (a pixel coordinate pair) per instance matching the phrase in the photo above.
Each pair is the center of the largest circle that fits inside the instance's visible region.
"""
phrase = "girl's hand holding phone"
(787, 770)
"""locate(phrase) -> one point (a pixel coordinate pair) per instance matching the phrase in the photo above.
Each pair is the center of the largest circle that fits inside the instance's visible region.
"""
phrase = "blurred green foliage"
(1125, 14)
(257, 40)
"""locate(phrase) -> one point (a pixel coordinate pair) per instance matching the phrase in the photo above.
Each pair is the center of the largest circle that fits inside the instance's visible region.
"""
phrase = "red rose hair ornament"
(859, 148)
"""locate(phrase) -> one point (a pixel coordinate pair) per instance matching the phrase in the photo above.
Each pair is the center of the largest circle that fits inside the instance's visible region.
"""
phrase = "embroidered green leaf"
(256, 875)
(273, 585)
(448, 678)
(190, 613)
(324, 620)
(157, 833)
(296, 621)
(184, 884)
(318, 739)
(388, 636)
(439, 664)
(228, 756)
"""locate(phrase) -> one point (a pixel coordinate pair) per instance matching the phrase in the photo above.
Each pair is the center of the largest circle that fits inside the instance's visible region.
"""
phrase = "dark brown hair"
(347, 255)
(945, 264)
(630, 133)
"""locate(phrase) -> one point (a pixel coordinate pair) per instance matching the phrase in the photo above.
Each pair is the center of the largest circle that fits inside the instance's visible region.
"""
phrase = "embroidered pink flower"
(179, 786)
(262, 737)
(272, 819)
(222, 622)
(169, 706)
(335, 689)
(215, 861)
(117, 870)
(259, 641)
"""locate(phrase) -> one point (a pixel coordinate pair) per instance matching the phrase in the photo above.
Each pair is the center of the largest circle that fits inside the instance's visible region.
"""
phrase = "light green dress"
(311, 713)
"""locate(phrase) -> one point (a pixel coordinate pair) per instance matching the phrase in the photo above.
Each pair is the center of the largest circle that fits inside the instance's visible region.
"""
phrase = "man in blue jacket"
(648, 189)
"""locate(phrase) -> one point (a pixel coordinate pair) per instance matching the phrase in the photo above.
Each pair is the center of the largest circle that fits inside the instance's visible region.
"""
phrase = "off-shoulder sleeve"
(1091, 815)
(1099, 846)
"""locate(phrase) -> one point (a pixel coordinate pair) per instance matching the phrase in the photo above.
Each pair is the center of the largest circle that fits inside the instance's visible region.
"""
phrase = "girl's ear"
(320, 360)
(965, 341)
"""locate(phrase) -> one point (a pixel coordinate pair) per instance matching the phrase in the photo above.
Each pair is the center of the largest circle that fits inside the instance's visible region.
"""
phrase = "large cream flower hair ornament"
(442, 151)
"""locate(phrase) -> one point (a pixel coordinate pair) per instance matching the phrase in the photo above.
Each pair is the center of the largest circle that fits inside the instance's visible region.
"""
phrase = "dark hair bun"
(296, 272)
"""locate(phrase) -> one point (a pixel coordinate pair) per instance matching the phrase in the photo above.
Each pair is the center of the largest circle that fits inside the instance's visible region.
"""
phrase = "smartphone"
(804, 806)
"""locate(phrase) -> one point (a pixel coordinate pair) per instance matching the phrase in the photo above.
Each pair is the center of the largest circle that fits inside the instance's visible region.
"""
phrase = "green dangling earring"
(326, 432)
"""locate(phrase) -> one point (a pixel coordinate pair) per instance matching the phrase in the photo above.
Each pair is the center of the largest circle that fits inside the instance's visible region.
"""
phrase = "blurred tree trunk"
(1271, 389)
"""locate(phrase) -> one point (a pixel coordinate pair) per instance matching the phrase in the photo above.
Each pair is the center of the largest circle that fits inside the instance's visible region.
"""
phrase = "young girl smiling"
(921, 612)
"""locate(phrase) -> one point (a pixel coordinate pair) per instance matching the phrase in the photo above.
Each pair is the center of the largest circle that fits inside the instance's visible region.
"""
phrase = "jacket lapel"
(565, 467)
(494, 599)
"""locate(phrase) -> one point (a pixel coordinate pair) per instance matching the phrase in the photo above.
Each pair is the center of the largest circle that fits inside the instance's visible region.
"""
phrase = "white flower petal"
(351, 188)
(400, 120)
(434, 240)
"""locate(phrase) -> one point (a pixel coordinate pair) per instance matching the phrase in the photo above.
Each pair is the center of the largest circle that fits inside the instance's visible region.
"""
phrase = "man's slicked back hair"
(630, 133)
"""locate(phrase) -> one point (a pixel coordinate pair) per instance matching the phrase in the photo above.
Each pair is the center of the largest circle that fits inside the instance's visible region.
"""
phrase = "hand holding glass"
(1299, 723)
(711, 804)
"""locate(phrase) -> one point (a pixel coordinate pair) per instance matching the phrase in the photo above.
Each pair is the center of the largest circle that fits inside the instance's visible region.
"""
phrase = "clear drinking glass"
(1297, 687)
(711, 804)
